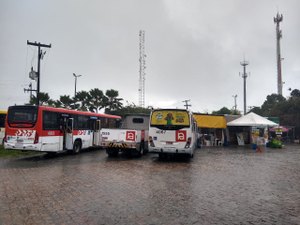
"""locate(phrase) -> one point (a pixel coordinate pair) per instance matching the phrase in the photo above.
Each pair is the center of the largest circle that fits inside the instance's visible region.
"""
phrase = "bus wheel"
(162, 155)
(51, 154)
(76, 147)
(112, 152)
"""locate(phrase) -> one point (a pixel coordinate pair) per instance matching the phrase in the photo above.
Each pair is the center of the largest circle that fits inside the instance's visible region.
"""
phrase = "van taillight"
(188, 143)
(36, 138)
(151, 141)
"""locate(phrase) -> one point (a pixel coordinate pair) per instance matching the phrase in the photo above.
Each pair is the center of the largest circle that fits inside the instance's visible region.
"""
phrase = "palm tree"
(98, 100)
(65, 101)
(113, 103)
(84, 98)
(43, 99)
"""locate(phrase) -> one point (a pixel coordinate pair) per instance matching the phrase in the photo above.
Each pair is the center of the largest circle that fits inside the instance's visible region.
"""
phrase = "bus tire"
(51, 154)
(77, 147)
(112, 152)
(162, 155)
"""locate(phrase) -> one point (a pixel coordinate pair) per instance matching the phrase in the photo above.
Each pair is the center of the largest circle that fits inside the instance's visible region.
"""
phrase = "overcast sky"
(194, 49)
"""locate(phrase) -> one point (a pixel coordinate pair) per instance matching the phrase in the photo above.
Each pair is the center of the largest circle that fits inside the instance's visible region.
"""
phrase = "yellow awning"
(210, 121)
(3, 111)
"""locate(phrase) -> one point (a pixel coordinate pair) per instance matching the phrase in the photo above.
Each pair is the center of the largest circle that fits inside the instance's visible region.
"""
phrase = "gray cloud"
(193, 49)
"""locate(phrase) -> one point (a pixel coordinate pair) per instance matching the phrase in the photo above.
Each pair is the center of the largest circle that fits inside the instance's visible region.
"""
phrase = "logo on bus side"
(180, 135)
(81, 132)
(130, 135)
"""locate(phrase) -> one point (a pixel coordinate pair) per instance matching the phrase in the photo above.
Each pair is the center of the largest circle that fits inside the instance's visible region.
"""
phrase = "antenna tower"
(244, 76)
(277, 20)
(142, 69)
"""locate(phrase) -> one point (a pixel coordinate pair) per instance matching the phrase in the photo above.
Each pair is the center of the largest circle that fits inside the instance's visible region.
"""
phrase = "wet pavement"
(217, 186)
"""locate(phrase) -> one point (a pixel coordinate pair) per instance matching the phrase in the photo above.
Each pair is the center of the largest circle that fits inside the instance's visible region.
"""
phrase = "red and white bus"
(48, 129)
(172, 131)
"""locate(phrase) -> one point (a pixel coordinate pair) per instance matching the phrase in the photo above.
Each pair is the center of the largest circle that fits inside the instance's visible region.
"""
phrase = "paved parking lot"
(217, 186)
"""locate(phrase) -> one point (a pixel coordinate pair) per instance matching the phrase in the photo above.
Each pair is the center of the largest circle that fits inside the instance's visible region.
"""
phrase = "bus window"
(138, 120)
(82, 122)
(170, 119)
(50, 120)
(22, 115)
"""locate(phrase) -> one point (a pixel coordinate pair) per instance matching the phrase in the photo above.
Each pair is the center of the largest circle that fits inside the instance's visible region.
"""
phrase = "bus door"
(96, 132)
(69, 134)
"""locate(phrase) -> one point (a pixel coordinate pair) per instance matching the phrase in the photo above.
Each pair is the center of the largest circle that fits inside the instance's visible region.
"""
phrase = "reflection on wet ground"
(217, 186)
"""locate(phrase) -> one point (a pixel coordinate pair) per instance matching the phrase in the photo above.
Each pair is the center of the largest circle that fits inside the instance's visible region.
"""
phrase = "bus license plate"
(19, 145)
(169, 142)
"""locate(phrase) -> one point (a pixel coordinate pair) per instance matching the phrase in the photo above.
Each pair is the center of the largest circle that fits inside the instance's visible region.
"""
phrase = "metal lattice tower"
(244, 76)
(277, 20)
(142, 69)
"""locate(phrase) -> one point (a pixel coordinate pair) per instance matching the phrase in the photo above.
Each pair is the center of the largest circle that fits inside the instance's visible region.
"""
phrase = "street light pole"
(75, 82)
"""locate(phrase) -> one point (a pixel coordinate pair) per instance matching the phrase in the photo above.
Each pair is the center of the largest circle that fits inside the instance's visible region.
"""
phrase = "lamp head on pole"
(76, 75)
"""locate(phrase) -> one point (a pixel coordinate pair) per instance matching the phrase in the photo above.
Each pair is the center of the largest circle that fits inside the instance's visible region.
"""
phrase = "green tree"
(43, 99)
(113, 102)
(288, 110)
(98, 100)
(295, 93)
(269, 106)
(222, 111)
(52, 103)
(65, 102)
(130, 109)
(84, 98)
(257, 110)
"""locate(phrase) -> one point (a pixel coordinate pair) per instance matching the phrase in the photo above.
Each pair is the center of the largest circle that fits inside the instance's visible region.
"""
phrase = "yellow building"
(212, 128)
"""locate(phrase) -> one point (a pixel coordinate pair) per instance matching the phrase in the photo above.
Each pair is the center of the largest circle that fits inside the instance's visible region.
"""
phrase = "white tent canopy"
(252, 120)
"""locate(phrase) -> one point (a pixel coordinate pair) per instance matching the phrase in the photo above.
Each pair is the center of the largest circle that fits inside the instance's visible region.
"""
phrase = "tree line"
(93, 101)
(286, 109)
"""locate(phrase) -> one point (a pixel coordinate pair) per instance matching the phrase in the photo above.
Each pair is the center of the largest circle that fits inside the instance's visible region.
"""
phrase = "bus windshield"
(170, 119)
(22, 115)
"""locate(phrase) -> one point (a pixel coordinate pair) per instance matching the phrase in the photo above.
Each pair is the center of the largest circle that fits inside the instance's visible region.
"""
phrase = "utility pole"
(277, 20)
(142, 75)
(40, 56)
(186, 104)
(235, 105)
(244, 76)
(29, 90)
